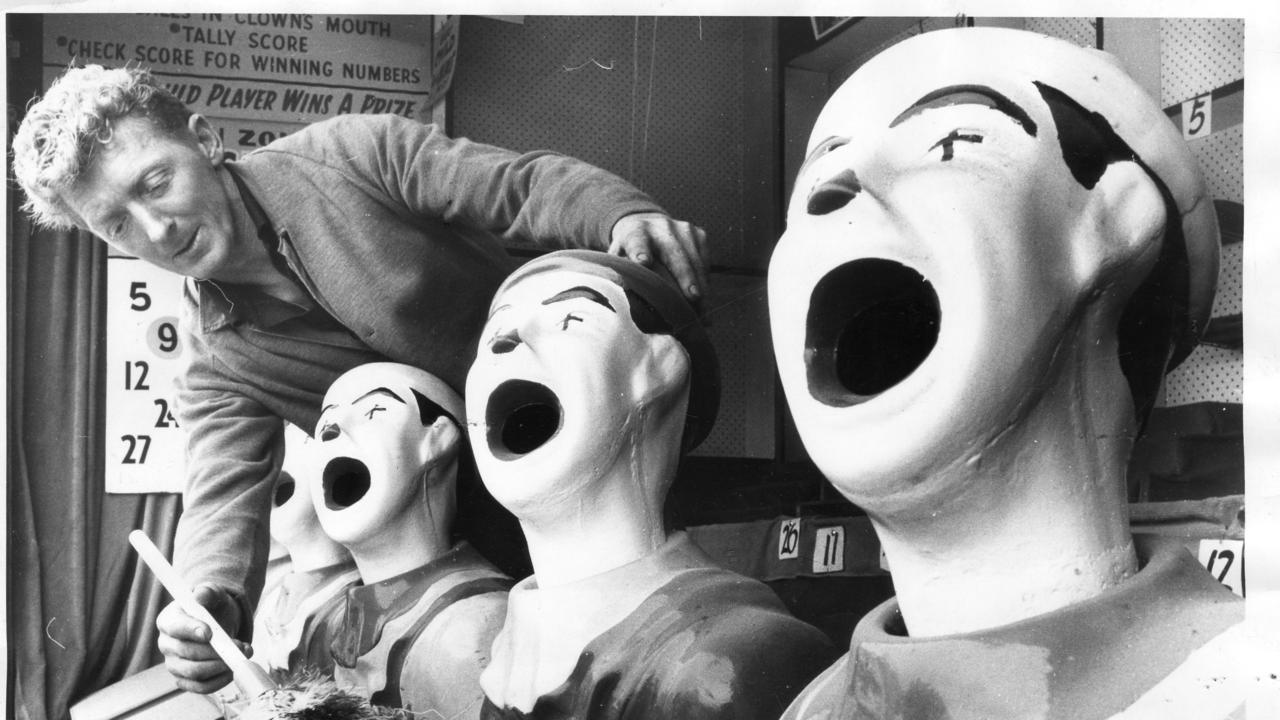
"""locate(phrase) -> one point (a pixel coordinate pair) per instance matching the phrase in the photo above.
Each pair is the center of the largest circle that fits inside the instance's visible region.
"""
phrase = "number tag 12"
(1224, 559)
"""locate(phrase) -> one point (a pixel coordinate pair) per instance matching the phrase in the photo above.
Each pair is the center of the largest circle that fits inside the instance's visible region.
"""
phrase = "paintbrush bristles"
(308, 695)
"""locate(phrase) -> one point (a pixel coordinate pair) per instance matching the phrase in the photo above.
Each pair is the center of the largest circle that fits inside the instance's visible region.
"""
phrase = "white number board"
(1197, 117)
(145, 446)
(828, 550)
(1224, 559)
(789, 539)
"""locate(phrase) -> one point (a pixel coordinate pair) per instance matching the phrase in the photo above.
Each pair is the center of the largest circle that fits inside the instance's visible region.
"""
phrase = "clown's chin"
(345, 480)
(871, 323)
(522, 416)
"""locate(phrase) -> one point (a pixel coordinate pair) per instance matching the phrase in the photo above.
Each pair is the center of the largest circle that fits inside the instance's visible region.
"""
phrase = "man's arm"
(550, 200)
(234, 449)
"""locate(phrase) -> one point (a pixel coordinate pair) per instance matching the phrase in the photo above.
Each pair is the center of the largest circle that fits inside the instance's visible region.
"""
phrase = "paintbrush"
(307, 696)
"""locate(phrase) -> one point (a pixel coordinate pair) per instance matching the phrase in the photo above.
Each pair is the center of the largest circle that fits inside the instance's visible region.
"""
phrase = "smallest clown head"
(388, 443)
(586, 359)
(293, 514)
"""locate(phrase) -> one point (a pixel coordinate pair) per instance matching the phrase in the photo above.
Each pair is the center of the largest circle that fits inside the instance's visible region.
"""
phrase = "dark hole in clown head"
(522, 416)
(345, 481)
(871, 323)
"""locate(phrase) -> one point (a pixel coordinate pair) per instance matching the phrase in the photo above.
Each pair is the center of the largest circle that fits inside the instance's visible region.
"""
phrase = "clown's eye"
(568, 318)
(948, 143)
(822, 149)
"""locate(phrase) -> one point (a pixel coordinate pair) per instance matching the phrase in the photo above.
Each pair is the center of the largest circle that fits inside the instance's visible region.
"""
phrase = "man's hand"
(679, 246)
(184, 641)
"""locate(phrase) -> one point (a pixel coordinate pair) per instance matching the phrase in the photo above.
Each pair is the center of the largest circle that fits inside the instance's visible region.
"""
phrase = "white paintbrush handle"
(251, 677)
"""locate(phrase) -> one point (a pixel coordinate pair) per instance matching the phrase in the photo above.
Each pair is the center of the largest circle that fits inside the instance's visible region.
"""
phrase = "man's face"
(926, 279)
(373, 451)
(560, 383)
(159, 197)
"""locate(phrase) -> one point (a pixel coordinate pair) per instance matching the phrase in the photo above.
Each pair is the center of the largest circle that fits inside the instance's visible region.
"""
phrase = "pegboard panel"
(1077, 31)
(1221, 158)
(1209, 374)
(1230, 281)
(923, 25)
(738, 312)
(1198, 55)
(658, 101)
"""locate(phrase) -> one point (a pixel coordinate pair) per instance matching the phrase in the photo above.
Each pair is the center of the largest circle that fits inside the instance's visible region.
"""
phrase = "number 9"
(168, 335)
(162, 338)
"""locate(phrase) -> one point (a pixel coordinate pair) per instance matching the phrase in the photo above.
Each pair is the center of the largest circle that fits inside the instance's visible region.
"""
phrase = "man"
(592, 379)
(416, 632)
(989, 265)
(358, 239)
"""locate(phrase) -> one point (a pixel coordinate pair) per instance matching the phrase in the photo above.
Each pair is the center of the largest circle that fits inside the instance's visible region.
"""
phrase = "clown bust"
(996, 248)
(416, 632)
(296, 614)
(592, 378)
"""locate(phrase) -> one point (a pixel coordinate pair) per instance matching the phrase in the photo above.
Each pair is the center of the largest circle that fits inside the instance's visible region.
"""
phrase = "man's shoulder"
(341, 129)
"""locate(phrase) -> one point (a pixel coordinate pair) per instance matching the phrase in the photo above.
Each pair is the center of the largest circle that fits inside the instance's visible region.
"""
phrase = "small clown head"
(583, 354)
(382, 431)
(293, 516)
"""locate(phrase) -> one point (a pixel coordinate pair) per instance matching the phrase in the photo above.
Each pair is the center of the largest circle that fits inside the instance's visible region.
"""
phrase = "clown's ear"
(440, 443)
(1122, 227)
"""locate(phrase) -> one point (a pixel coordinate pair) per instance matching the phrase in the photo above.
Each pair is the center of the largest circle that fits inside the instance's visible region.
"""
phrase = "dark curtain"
(81, 608)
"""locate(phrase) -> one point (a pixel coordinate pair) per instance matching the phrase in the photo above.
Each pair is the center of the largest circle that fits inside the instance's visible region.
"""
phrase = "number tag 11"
(1224, 559)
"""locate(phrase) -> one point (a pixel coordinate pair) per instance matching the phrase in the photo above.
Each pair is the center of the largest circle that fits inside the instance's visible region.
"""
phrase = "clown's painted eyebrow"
(379, 391)
(580, 291)
(969, 95)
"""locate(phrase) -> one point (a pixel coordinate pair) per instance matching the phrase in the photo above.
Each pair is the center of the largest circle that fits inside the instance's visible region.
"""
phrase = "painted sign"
(258, 76)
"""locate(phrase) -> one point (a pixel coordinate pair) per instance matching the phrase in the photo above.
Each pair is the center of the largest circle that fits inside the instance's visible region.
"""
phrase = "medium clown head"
(977, 206)
(383, 430)
(293, 516)
(584, 357)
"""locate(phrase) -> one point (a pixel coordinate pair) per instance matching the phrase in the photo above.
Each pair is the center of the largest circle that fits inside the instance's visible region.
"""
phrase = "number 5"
(138, 293)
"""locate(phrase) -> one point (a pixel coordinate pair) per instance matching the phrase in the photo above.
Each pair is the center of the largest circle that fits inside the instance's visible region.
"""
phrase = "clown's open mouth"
(871, 323)
(346, 480)
(522, 416)
(284, 491)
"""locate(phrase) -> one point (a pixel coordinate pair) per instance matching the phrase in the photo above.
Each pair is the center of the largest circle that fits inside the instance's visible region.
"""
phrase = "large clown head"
(388, 434)
(982, 212)
(586, 357)
(293, 516)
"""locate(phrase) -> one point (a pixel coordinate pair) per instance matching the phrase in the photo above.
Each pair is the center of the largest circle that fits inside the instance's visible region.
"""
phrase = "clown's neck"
(1039, 521)
(409, 540)
(615, 520)
(315, 551)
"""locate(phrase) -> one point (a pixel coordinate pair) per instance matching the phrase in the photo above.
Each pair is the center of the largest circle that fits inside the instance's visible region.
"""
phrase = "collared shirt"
(1087, 661)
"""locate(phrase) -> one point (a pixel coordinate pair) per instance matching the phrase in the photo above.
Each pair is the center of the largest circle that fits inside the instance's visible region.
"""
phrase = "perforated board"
(1077, 31)
(1221, 158)
(660, 102)
(1198, 55)
(1230, 281)
(1210, 374)
(739, 315)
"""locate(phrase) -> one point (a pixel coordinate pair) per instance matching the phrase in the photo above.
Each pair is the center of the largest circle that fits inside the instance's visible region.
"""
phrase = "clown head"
(982, 213)
(293, 516)
(584, 358)
(387, 447)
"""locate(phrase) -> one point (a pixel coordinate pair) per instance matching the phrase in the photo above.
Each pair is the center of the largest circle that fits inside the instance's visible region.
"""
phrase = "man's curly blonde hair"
(61, 131)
